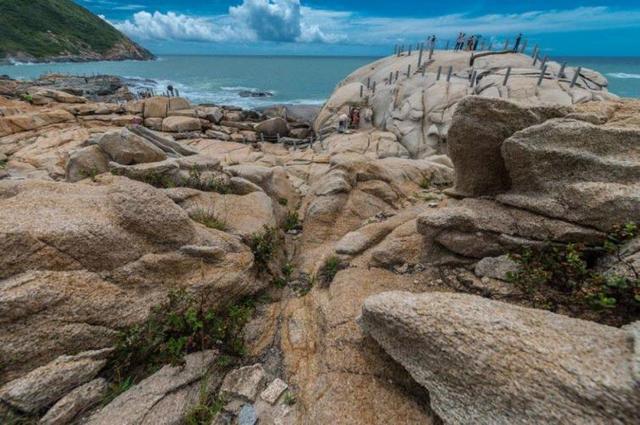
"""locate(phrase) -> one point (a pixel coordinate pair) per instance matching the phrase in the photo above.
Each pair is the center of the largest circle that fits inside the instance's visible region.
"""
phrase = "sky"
(372, 27)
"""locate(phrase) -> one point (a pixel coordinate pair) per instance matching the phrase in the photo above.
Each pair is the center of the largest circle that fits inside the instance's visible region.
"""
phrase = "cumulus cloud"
(253, 20)
(173, 26)
(270, 20)
(289, 21)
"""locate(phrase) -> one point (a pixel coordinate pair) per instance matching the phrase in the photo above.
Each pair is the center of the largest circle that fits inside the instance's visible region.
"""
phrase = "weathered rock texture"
(488, 362)
(83, 260)
(418, 109)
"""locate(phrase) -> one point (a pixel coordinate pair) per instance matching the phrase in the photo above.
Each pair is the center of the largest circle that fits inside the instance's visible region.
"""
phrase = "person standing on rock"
(517, 45)
(343, 123)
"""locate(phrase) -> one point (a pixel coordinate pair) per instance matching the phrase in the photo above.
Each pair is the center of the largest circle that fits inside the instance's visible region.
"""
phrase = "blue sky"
(561, 27)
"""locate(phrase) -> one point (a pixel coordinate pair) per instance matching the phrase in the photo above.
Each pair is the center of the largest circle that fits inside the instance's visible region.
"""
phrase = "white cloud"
(289, 21)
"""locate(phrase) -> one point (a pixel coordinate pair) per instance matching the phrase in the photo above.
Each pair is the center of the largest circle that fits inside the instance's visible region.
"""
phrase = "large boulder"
(32, 121)
(156, 107)
(127, 148)
(85, 163)
(76, 402)
(273, 127)
(84, 260)
(487, 362)
(478, 129)
(473, 229)
(178, 124)
(577, 171)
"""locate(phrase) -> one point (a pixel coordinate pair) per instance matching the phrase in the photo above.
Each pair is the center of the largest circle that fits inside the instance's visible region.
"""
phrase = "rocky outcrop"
(488, 362)
(76, 402)
(47, 384)
(557, 180)
(478, 129)
(576, 171)
(166, 396)
(78, 258)
(417, 107)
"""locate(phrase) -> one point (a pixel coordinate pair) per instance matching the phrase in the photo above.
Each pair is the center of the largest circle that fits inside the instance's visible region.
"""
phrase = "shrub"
(292, 221)
(209, 184)
(209, 219)
(564, 276)
(264, 244)
(283, 201)
(329, 269)
(181, 325)
(425, 183)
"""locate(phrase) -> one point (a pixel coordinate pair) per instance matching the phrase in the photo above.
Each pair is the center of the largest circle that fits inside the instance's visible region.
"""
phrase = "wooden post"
(449, 73)
(409, 71)
(544, 61)
(506, 44)
(574, 80)
(391, 77)
(439, 72)
(535, 59)
(561, 73)
(409, 51)
(420, 55)
(373, 88)
(431, 51)
(473, 78)
(506, 76)
(368, 82)
(397, 74)
(535, 51)
(361, 89)
(542, 72)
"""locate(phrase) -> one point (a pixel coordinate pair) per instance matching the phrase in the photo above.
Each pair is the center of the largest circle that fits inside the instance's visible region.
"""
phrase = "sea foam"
(623, 75)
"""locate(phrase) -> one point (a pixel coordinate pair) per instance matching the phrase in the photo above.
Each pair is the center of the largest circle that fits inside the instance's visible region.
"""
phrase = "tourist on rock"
(343, 123)
(517, 45)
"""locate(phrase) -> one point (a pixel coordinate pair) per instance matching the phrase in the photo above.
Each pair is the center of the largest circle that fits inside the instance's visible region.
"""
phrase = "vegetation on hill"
(42, 29)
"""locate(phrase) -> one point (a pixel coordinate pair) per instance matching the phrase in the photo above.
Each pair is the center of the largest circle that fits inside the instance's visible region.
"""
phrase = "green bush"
(565, 277)
(175, 328)
(329, 269)
(264, 245)
(292, 221)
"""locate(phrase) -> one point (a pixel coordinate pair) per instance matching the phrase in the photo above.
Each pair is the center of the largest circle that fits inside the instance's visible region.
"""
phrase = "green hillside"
(51, 28)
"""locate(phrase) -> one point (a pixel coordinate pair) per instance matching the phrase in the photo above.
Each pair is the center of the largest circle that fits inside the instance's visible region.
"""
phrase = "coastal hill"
(467, 253)
(60, 30)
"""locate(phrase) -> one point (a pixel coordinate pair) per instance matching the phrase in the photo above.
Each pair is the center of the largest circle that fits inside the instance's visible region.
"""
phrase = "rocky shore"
(468, 253)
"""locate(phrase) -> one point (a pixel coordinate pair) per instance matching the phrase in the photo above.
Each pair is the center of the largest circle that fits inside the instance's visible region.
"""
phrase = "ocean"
(291, 79)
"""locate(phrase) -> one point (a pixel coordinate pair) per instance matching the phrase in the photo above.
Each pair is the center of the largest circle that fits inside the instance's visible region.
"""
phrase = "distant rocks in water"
(251, 93)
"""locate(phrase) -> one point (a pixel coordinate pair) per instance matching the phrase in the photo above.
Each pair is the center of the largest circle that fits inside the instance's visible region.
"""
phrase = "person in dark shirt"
(517, 45)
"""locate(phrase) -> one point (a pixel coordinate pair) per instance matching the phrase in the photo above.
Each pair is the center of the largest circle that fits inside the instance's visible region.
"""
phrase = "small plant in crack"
(208, 218)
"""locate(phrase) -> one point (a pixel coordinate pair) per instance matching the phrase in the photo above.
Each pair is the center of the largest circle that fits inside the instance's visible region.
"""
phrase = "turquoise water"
(623, 73)
(219, 79)
(292, 79)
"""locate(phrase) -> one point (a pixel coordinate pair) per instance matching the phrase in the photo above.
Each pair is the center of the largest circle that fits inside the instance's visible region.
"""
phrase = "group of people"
(467, 43)
(349, 121)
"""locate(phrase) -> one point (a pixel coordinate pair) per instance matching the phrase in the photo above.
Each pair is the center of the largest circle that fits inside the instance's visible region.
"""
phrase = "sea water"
(290, 79)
